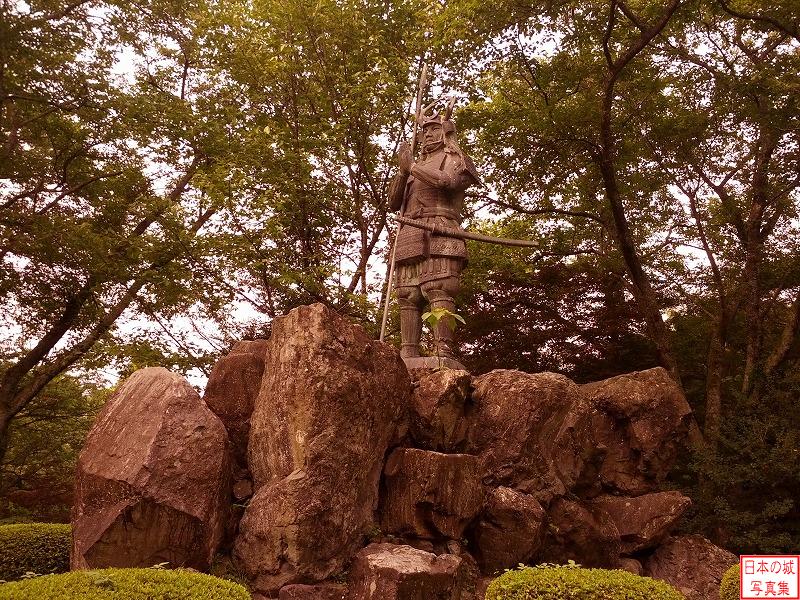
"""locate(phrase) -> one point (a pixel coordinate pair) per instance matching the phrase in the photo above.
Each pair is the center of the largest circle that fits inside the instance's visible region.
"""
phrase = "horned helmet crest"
(431, 116)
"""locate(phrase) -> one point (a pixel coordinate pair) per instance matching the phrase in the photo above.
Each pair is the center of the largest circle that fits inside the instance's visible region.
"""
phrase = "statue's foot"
(433, 363)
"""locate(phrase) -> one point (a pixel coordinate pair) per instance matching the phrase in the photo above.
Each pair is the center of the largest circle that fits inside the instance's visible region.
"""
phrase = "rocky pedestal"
(330, 403)
(640, 420)
(333, 445)
(153, 480)
(520, 433)
(509, 531)
(643, 522)
(576, 531)
(330, 591)
(438, 404)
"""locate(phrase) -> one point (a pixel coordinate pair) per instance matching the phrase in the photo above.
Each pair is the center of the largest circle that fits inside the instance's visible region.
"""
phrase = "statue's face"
(432, 134)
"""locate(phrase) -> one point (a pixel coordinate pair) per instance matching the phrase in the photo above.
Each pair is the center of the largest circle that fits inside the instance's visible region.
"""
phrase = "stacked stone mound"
(322, 434)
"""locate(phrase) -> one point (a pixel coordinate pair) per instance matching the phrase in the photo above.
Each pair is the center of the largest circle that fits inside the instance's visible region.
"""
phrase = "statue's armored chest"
(424, 197)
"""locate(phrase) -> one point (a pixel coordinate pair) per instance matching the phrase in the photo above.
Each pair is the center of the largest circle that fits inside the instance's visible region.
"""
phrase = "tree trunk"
(754, 249)
(752, 275)
(714, 377)
(606, 159)
(643, 291)
(5, 421)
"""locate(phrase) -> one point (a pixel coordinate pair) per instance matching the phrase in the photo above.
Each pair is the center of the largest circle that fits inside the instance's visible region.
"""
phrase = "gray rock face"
(389, 572)
(331, 399)
(640, 420)
(429, 494)
(232, 389)
(576, 531)
(692, 564)
(509, 531)
(153, 479)
(521, 433)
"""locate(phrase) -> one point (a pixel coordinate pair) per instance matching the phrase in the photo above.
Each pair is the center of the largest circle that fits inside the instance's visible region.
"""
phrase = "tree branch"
(790, 29)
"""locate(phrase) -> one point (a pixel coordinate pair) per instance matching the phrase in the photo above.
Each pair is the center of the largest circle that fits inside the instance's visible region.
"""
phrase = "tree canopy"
(173, 175)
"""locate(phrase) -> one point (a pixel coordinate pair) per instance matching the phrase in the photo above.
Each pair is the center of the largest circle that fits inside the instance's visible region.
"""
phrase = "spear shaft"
(423, 81)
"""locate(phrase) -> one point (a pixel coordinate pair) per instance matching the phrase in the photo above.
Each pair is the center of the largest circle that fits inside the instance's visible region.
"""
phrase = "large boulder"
(528, 433)
(153, 479)
(692, 564)
(437, 419)
(509, 531)
(643, 522)
(429, 494)
(330, 402)
(232, 389)
(577, 531)
(389, 572)
(544, 435)
(640, 421)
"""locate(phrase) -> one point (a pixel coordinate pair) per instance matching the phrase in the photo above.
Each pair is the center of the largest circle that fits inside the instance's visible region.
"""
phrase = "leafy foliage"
(436, 315)
(39, 548)
(125, 584)
(311, 190)
(659, 165)
(536, 312)
(216, 164)
(745, 494)
(44, 442)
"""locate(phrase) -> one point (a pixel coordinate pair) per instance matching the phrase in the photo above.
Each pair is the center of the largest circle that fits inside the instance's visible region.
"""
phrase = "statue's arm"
(450, 177)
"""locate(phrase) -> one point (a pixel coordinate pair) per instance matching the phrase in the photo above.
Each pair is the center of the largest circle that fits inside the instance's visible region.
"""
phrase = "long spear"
(423, 82)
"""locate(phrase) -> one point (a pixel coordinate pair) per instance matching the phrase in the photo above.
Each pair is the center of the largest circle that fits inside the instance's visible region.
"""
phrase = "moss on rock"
(576, 583)
(729, 586)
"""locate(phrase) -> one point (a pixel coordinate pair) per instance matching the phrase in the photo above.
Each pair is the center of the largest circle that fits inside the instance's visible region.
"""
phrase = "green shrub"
(40, 548)
(575, 583)
(729, 587)
(125, 584)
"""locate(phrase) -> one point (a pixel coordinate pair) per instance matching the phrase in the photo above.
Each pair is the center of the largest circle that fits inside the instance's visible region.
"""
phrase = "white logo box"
(769, 576)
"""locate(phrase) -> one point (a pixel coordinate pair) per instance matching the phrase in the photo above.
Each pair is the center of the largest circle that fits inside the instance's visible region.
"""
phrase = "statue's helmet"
(448, 127)
(438, 118)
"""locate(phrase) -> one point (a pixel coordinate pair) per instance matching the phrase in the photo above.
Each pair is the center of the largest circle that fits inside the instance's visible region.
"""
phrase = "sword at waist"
(437, 229)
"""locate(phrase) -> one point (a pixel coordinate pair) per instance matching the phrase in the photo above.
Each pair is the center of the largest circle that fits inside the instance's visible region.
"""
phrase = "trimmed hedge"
(125, 584)
(729, 586)
(40, 548)
(575, 583)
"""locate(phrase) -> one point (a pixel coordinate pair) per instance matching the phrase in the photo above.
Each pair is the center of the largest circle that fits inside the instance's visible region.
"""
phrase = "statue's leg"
(410, 299)
(440, 293)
